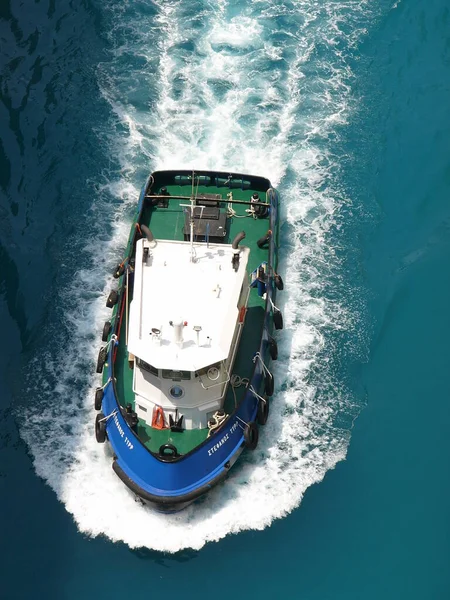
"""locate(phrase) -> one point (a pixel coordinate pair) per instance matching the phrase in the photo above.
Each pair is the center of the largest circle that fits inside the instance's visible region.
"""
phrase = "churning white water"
(261, 88)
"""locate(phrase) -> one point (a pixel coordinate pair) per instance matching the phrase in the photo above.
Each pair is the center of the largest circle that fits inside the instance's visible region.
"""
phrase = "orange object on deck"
(242, 312)
(158, 418)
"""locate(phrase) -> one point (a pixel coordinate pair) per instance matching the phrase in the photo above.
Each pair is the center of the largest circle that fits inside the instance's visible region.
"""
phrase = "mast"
(191, 206)
(191, 222)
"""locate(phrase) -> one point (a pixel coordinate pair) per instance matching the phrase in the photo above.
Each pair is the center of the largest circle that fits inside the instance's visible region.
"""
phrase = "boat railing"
(205, 197)
(221, 382)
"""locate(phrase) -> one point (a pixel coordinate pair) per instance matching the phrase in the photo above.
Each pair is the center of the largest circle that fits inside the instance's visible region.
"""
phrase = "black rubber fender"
(273, 348)
(112, 299)
(119, 271)
(106, 331)
(263, 411)
(251, 435)
(278, 319)
(264, 240)
(100, 428)
(279, 282)
(98, 398)
(269, 383)
(101, 359)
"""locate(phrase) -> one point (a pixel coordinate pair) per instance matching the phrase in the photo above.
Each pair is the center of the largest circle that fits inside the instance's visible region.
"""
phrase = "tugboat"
(187, 351)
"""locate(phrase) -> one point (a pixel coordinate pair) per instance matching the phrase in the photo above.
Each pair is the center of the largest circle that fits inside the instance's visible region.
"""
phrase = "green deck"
(168, 223)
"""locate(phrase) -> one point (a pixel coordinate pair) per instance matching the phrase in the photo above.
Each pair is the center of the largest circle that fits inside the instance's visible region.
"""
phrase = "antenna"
(197, 329)
(191, 220)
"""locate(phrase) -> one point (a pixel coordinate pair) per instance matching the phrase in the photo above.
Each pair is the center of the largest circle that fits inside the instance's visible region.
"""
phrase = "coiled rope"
(230, 210)
(236, 381)
(216, 421)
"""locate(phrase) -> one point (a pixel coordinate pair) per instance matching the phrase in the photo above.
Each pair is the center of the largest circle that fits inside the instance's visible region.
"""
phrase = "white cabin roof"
(170, 288)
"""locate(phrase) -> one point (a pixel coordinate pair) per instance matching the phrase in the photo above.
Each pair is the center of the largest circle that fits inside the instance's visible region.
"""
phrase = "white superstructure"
(184, 325)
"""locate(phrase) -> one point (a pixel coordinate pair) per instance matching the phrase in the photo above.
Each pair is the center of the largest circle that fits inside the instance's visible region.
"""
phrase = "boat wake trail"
(262, 88)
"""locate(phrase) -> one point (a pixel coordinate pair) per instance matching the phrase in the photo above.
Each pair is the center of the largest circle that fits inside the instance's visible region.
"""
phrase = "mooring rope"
(108, 416)
(273, 305)
(255, 393)
(230, 210)
(114, 339)
(258, 356)
(105, 384)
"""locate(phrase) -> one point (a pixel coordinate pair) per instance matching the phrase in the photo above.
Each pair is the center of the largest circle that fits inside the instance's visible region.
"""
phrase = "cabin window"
(143, 365)
(142, 408)
(176, 375)
(176, 391)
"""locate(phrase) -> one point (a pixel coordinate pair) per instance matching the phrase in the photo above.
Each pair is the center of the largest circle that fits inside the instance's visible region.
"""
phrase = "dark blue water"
(346, 107)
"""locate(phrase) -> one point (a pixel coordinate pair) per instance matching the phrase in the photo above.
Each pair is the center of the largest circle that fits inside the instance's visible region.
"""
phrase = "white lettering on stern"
(222, 440)
(122, 433)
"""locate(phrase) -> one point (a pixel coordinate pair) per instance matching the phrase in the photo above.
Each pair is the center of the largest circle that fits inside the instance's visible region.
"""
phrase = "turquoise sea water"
(345, 106)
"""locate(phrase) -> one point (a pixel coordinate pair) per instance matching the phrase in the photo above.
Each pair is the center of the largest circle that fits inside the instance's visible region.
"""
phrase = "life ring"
(279, 282)
(101, 359)
(100, 428)
(98, 398)
(158, 418)
(251, 435)
(263, 411)
(112, 299)
(269, 383)
(273, 348)
(213, 373)
(172, 451)
(106, 331)
(242, 312)
(277, 319)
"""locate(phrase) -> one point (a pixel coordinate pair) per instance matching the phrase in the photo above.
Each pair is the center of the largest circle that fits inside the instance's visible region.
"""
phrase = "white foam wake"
(263, 89)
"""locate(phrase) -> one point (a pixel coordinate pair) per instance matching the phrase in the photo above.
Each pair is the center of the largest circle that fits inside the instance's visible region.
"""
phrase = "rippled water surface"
(345, 107)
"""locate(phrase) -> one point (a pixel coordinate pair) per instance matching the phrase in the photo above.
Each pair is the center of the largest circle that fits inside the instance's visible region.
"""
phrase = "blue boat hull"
(170, 484)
